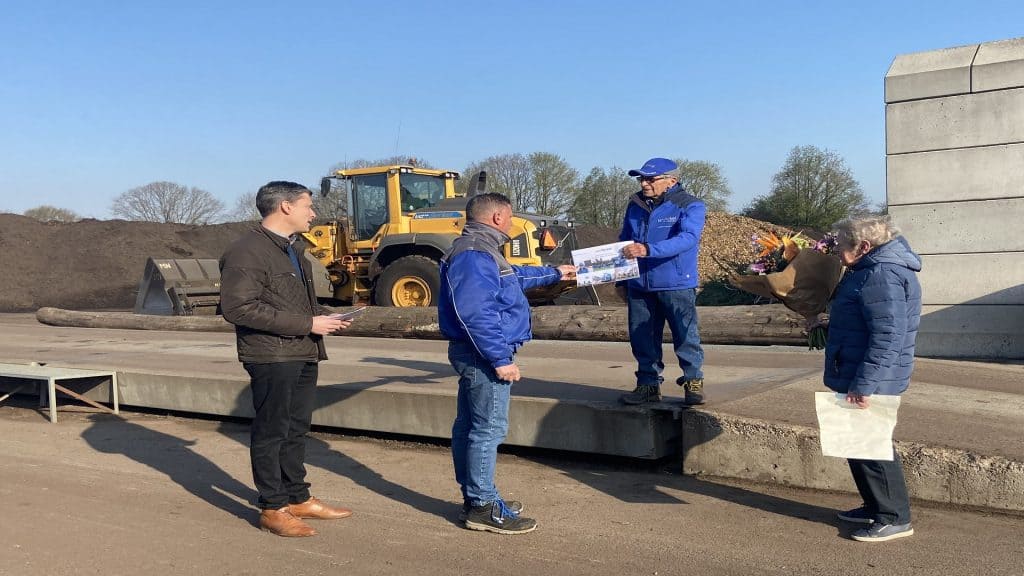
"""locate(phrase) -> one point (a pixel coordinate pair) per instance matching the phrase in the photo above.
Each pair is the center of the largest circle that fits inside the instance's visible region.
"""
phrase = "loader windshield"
(421, 191)
(369, 210)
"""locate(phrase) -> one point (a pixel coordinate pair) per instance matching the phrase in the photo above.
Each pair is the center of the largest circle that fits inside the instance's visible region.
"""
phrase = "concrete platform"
(970, 414)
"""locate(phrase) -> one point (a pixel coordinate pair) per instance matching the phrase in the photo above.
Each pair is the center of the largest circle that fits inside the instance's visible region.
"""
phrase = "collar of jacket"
(489, 234)
(676, 194)
(278, 240)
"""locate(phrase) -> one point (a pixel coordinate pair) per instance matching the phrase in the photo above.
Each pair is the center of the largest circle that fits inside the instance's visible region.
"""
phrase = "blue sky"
(100, 97)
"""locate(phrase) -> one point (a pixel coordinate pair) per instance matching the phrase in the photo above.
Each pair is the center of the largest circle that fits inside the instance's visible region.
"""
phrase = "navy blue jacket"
(482, 299)
(671, 230)
(873, 323)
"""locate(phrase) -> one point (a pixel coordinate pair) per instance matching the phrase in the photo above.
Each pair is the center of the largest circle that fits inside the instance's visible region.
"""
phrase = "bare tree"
(705, 181)
(507, 174)
(813, 190)
(553, 184)
(168, 202)
(47, 213)
(602, 197)
(245, 209)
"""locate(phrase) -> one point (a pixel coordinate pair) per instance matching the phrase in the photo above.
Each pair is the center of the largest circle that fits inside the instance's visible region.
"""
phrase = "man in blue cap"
(664, 223)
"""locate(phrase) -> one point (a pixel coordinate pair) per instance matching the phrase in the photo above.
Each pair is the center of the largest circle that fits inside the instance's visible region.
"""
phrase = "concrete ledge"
(998, 65)
(995, 279)
(984, 119)
(558, 424)
(727, 446)
(962, 227)
(930, 74)
(954, 175)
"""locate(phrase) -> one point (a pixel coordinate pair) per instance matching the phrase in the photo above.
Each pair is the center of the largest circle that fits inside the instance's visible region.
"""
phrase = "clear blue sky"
(99, 97)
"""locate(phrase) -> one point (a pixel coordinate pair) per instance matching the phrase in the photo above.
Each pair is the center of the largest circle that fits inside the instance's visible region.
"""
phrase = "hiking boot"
(496, 517)
(513, 505)
(879, 532)
(857, 515)
(641, 394)
(694, 390)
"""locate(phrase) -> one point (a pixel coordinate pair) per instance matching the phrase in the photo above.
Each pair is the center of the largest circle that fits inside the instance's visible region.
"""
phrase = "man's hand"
(508, 373)
(568, 271)
(635, 250)
(324, 325)
(859, 400)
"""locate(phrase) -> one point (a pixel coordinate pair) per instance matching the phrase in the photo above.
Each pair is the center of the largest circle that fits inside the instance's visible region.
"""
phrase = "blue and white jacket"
(671, 230)
(482, 300)
(873, 321)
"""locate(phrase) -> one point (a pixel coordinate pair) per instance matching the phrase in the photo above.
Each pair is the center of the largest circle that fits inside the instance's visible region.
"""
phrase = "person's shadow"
(654, 488)
(173, 457)
(321, 454)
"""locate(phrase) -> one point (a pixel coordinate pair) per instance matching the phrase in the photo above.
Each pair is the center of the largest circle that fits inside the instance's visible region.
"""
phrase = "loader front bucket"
(179, 287)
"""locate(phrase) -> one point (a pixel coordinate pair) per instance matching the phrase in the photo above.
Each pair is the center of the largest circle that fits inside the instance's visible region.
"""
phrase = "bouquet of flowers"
(798, 272)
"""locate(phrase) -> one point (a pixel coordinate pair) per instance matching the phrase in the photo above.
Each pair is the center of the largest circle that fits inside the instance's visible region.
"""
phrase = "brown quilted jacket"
(271, 307)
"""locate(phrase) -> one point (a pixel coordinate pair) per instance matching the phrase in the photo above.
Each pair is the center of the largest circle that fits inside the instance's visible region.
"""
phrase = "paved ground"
(145, 494)
(973, 406)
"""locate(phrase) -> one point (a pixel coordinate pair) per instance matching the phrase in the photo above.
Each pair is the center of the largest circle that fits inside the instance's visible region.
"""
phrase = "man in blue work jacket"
(485, 315)
(664, 223)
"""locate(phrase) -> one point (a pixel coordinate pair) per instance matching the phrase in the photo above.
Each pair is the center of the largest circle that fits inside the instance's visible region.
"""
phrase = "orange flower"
(769, 244)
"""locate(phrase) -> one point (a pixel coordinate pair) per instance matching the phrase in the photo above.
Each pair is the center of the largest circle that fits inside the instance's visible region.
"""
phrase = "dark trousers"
(882, 486)
(283, 394)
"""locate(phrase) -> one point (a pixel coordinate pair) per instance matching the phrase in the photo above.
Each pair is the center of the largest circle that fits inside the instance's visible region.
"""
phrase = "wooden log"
(763, 325)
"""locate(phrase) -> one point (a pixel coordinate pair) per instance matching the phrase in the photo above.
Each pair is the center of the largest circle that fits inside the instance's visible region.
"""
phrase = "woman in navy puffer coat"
(874, 316)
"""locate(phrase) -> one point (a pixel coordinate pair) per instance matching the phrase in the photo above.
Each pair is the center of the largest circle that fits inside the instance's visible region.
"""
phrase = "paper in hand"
(847, 431)
(348, 315)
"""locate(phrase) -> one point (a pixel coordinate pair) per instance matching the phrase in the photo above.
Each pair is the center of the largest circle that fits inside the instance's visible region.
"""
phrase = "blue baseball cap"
(654, 167)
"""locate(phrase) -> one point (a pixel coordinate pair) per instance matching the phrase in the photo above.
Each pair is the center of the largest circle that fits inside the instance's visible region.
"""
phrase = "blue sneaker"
(857, 515)
(496, 517)
(879, 532)
(514, 506)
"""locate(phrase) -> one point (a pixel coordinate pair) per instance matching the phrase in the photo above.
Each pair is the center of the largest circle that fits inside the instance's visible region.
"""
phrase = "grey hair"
(673, 174)
(271, 194)
(875, 229)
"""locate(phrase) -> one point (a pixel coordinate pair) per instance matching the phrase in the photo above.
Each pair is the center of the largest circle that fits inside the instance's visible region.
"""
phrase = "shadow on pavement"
(173, 457)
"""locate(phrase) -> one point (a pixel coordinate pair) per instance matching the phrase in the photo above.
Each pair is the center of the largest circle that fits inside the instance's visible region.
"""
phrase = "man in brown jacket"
(267, 293)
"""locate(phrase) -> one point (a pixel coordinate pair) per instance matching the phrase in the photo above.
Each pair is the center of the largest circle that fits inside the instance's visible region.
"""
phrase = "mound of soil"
(97, 264)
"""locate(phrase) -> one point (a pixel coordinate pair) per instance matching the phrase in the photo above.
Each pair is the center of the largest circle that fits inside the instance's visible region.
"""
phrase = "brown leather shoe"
(284, 523)
(314, 508)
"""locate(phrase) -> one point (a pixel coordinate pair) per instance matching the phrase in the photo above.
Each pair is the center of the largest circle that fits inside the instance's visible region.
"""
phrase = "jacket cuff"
(502, 362)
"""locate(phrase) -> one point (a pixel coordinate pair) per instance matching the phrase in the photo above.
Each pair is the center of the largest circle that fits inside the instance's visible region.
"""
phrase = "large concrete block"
(930, 74)
(971, 331)
(962, 174)
(962, 227)
(998, 65)
(991, 278)
(722, 445)
(984, 119)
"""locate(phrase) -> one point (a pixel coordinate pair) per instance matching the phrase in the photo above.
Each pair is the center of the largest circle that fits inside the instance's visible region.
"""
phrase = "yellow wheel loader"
(397, 223)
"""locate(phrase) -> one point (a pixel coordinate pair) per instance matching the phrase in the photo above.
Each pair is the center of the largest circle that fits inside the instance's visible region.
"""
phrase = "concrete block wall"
(954, 131)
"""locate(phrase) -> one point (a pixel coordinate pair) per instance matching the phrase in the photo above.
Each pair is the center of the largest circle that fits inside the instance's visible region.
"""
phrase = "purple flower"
(757, 267)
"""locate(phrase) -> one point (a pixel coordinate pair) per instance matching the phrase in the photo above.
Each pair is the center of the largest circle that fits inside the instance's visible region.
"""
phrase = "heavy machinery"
(397, 222)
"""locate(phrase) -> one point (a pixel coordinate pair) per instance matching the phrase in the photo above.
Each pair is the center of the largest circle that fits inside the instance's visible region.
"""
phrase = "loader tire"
(409, 281)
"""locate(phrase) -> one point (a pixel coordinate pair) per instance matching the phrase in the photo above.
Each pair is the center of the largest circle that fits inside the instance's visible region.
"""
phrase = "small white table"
(51, 375)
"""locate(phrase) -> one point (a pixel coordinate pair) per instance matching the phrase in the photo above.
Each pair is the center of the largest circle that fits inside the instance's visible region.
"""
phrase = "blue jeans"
(648, 312)
(481, 423)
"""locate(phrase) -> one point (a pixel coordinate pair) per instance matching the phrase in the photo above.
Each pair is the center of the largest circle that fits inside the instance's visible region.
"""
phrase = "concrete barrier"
(720, 445)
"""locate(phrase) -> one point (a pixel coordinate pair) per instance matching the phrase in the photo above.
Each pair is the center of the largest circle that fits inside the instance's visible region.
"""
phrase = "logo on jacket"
(668, 220)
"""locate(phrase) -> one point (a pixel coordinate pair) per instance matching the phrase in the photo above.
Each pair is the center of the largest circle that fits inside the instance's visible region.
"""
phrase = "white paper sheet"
(604, 263)
(847, 431)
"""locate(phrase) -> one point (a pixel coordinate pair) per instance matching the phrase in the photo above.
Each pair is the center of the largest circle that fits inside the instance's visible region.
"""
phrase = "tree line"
(813, 189)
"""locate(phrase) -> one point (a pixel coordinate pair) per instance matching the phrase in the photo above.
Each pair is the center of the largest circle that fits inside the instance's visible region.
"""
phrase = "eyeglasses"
(650, 178)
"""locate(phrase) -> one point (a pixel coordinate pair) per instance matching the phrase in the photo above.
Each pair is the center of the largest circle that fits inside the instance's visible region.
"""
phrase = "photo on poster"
(603, 264)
